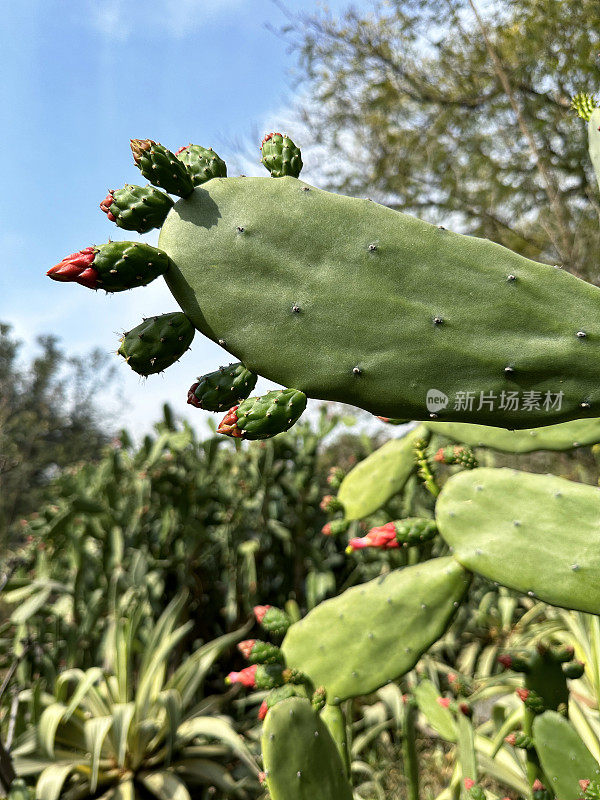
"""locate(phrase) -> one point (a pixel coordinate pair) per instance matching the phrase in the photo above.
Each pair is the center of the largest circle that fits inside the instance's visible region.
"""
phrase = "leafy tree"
(461, 115)
(48, 419)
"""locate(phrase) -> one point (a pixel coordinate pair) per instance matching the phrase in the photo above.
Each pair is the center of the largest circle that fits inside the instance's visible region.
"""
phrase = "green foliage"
(137, 726)
(398, 97)
(50, 418)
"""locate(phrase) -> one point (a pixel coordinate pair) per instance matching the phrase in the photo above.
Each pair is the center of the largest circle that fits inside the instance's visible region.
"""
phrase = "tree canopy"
(461, 115)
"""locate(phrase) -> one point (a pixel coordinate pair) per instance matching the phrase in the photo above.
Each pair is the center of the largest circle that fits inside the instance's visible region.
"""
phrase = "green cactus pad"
(280, 155)
(334, 719)
(222, 389)
(300, 757)
(563, 436)
(348, 300)
(202, 164)
(161, 167)
(564, 757)
(374, 633)
(594, 140)
(137, 208)
(537, 534)
(266, 416)
(380, 476)
(157, 343)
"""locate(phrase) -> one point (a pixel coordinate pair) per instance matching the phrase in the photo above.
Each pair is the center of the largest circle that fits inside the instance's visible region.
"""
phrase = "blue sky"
(82, 77)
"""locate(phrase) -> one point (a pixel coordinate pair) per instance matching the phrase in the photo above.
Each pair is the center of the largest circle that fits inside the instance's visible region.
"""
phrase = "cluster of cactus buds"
(591, 789)
(456, 454)
(268, 670)
(401, 533)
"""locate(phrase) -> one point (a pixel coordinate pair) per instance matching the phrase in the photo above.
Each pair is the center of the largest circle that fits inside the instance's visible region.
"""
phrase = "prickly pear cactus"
(342, 299)
(564, 757)
(374, 633)
(221, 389)
(538, 534)
(563, 436)
(380, 476)
(300, 757)
(157, 343)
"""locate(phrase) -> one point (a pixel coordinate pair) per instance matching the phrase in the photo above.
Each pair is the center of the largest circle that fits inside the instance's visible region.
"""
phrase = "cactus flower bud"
(319, 699)
(247, 677)
(465, 709)
(246, 646)
(505, 660)
(107, 203)
(538, 786)
(114, 267)
(274, 620)
(330, 504)
(260, 652)
(469, 784)
(162, 167)
(511, 739)
(78, 268)
(383, 537)
(335, 527)
(584, 785)
(456, 454)
(523, 694)
(228, 424)
(262, 711)
(444, 702)
(259, 613)
(335, 476)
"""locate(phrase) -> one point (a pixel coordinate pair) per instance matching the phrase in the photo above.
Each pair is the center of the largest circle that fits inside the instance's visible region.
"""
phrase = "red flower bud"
(511, 739)
(247, 676)
(191, 398)
(584, 785)
(259, 612)
(262, 711)
(77, 267)
(443, 701)
(465, 709)
(326, 529)
(523, 694)
(538, 786)
(469, 783)
(106, 204)
(384, 537)
(505, 660)
(269, 136)
(228, 424)
(181, 149)
(246, 647)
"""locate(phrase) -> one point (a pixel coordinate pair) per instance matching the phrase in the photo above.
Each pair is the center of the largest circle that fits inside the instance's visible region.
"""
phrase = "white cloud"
(119, 19)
